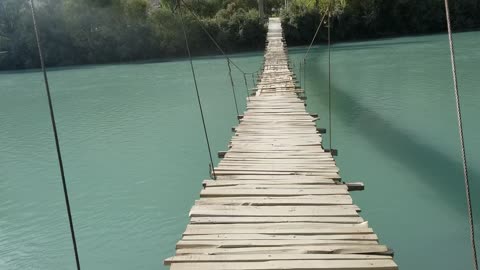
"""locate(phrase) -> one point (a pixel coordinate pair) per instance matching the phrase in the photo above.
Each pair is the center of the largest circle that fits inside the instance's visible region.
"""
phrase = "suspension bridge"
(277, 201)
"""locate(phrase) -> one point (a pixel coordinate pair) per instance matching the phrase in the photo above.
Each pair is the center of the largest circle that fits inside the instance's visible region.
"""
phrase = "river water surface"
(135, 155)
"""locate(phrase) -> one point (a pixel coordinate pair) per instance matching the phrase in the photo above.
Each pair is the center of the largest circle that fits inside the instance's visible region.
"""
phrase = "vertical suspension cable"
(55, 134)
(462, 143)
(304, 75)
(253, 80)
(187, 46)
(300, 71)
(233, 88)
(246, 86)
(329, 84)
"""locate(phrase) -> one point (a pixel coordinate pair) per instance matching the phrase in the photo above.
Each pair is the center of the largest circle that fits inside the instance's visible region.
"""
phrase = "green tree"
(16, 32)
(100, 31)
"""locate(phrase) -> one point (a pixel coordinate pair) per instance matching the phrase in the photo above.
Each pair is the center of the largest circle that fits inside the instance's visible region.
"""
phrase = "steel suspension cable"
(211, 37)
(229, 60)
(303, 66)
(315, 35)
(329, 85)
(300, 73)
(304, 76)
(246, 86)
(187, 46)
(462, 142)
(233, 88)
(55, 134)
(300, 67)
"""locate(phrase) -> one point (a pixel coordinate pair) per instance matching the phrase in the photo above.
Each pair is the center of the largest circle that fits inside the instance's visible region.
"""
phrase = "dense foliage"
(100, 31)
(362, 19)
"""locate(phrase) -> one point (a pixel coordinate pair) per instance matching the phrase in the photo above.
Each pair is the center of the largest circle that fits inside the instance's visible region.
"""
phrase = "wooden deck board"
(270, 257)
(291, 264)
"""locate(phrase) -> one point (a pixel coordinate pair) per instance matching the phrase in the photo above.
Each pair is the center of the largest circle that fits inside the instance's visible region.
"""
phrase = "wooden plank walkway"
(277, 202)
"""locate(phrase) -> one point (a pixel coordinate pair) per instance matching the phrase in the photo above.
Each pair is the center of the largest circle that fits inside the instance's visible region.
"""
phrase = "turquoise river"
(135, 155)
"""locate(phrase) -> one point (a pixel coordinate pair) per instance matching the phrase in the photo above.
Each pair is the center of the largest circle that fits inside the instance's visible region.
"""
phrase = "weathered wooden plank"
(267, 243)
(277, 145)
(278, 141)
(332, 249)
(272, 168)
(294, 150)
(275, 177)
(270, 192)
(293, 264)
(358, 237)
(326, 164)
(279, 201)
(260, 226)
(285, 138)
(213, 183)
(289, 187)
(277, 155)
(299, 160)
(270, 257)
(331, 175)
(279, 219)
(302, 231)
(278, 207)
